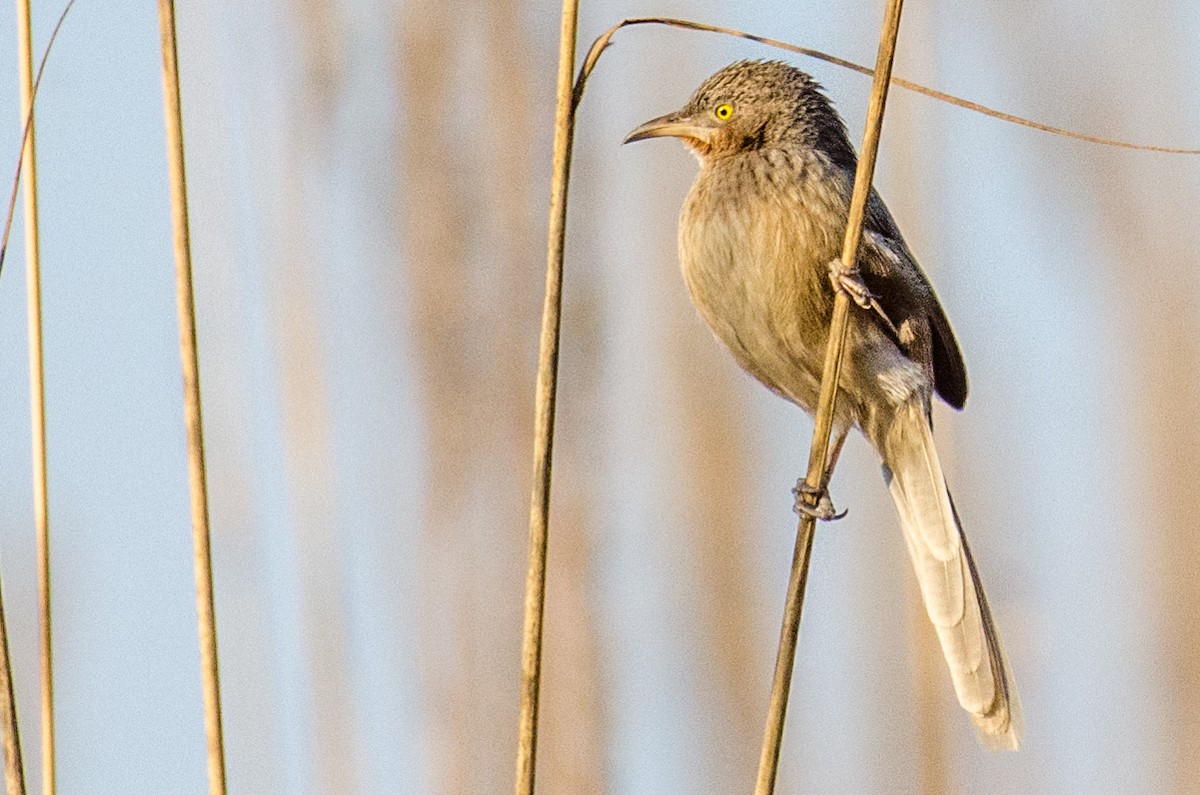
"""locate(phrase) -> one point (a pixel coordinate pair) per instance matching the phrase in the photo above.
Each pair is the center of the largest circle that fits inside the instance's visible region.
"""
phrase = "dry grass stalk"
(547, 378)
(14, 771)
(37, 392)
(191, 383)
(571, 727)
(768, 763)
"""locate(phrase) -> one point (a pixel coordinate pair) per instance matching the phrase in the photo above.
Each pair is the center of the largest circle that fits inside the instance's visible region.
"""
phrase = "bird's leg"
(848, 279)
(836, 451)
(816, 502)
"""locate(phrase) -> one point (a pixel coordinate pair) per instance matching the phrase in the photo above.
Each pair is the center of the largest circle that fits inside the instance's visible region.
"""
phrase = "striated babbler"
(760, 236)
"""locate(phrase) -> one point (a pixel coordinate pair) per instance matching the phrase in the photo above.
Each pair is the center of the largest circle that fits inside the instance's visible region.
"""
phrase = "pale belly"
(760, 281)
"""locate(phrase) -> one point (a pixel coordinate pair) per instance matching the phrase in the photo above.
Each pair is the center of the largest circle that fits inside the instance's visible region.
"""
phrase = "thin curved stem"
(603, 40)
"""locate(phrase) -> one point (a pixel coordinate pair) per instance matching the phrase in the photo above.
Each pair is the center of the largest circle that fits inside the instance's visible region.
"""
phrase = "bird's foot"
(814, 502)
(848, 279)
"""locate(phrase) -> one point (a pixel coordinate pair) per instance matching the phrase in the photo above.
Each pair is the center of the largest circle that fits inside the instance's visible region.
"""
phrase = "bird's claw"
(847, 279)
(815, 503)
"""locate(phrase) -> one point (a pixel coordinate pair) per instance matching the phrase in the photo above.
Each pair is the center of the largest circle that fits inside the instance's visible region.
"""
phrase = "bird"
(760, 238)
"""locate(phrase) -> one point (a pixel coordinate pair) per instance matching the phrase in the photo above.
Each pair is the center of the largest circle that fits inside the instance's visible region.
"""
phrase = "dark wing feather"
(890, 271)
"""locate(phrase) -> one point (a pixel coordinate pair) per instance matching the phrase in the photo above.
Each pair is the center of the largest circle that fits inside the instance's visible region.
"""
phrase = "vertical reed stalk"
(547, 382)
(37, 392)
(768, 763)
(191, 398)
(14, 771)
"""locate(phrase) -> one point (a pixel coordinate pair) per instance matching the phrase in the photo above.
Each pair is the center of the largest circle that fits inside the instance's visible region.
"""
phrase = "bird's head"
(750, 105)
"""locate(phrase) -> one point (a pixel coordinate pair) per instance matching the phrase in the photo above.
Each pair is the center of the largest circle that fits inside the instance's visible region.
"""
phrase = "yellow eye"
(724, 111)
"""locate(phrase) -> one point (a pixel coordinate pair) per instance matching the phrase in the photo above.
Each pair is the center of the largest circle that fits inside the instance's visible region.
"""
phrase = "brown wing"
(890, 271)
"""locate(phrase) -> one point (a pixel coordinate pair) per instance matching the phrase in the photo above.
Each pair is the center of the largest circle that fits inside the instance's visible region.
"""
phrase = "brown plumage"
(760, 227)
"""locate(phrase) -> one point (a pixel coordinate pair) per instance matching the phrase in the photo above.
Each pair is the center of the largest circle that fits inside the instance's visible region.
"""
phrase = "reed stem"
(768, 764)
(547, 384)
(14, 770)
(206, 618)
(37, 392)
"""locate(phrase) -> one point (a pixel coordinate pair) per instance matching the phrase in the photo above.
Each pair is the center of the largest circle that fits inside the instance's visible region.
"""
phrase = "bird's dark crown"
(770, 103)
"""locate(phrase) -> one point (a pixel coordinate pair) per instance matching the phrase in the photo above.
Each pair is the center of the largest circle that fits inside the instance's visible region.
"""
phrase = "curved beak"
(673, 125)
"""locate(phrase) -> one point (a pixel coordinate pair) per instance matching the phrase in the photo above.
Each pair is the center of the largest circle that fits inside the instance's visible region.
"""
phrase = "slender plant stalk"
(547, 384)
(10, 738)
(14, 771)
(768, 763)
(191, 399)
(37, 392)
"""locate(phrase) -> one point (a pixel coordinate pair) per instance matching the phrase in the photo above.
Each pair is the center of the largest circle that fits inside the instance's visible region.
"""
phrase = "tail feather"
(949, 581)
(998, 729)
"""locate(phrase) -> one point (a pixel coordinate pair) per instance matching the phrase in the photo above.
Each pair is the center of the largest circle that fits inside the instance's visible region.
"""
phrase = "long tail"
(949, 580)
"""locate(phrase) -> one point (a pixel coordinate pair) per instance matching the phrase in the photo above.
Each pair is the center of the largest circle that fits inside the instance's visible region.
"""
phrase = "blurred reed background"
(368, 188)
